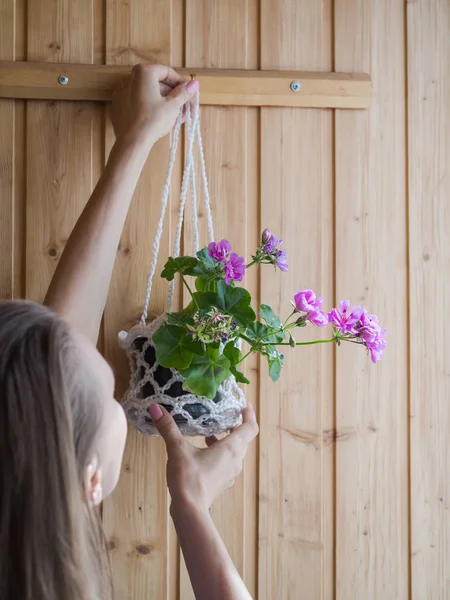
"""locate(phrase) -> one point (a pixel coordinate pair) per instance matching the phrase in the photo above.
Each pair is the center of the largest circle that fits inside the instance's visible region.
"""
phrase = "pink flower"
(318, 318)
(271, 243)
(219, 251)
(306, 301)
(345, 319)
(234, 268)
(280, 261)
(367, 327)
(377, 346)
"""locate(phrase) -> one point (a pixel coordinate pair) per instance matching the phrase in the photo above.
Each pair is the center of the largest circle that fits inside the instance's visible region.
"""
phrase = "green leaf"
(240, 377)
(230, 300)
(182, 317)
(273, 322)
(205, 373)
(182, 264)
(258, 331)
(275, 360)
(267, 314)
(205, 266)
(232, 353)
(200, 284)
(174, 347)
(207, 263)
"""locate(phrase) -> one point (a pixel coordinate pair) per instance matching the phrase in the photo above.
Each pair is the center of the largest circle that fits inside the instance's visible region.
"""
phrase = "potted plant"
(204, 346)
(191, 361)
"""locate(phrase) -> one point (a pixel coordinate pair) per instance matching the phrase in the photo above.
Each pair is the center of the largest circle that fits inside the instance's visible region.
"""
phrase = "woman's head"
(61, 443)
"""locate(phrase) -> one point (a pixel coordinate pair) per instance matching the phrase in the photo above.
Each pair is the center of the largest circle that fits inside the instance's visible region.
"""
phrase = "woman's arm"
(196, 477)
(143, 111)
(211, 570)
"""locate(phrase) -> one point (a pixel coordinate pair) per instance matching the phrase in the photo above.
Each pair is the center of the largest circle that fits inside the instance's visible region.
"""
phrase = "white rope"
(195, 232)
(205, 184)
(164, 200)
(193, 133)
(183, 194)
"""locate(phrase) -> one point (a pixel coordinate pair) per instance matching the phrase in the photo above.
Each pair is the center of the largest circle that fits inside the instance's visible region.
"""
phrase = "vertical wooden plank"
(296, 204)
(135, 518)
(177, 52)
(59, 140)
(12, 122)
(224, 35)
(371, 401)
(19, 160)
(428, 28)
(7, 172)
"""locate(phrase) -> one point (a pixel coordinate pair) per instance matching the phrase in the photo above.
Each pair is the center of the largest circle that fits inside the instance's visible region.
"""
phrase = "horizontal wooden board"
(219, 87)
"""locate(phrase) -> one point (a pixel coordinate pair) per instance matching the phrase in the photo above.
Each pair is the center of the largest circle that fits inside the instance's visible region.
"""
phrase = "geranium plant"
(204, 341)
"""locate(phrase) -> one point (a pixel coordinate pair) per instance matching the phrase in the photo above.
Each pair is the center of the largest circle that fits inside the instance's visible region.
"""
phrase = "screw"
(296, 86)
(63, 80)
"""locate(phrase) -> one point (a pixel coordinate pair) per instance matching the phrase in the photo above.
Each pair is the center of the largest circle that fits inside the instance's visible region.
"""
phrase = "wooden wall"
(346, 494)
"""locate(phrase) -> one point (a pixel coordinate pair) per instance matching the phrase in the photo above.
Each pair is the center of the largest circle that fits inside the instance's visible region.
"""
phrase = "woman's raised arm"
(143, 111)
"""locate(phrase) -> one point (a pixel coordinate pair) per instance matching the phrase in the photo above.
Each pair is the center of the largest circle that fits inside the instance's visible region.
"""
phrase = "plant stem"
(292, 313)
(189, 290)
(244, 357)
(246, 339)
(343, 339)
(302, 343)
(269, 334)
(250, 264)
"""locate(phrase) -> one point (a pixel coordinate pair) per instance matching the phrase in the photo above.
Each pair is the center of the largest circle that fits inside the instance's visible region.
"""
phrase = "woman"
(62, 434)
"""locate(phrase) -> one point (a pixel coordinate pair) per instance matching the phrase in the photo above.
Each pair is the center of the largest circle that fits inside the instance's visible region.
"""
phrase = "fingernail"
(192, 86)
(155, 412)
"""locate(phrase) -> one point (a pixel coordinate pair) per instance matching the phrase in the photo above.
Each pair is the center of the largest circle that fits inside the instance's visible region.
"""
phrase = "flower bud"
(266, 235)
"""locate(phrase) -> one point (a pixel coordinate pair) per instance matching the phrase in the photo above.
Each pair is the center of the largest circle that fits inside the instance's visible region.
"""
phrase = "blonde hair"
(51, 543)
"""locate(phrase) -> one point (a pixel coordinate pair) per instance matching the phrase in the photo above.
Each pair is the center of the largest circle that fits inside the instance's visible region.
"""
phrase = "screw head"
(63, 80)
(296, 86)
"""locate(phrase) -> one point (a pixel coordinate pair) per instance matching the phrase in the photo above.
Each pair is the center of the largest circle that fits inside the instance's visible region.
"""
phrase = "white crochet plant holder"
(150, 382)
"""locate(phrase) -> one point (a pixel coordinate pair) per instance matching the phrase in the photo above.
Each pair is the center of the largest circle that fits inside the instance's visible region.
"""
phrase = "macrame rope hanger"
(197, 415)
(193, 133)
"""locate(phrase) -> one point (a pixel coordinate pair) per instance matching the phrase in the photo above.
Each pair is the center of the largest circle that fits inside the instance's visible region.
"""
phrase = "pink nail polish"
(155, 412)
(192, 86)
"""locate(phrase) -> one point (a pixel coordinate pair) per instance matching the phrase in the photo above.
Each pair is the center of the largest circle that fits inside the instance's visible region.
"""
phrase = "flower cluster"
(358, 325)
(201, 340)
(212, 327)
(233, 264)
(271, 250)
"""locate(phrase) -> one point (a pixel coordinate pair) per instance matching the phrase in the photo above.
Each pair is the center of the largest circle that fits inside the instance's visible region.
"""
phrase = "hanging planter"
(191, 361)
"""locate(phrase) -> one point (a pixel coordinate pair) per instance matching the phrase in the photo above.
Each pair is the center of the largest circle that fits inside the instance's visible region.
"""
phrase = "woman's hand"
(200, 475)
(147, 106)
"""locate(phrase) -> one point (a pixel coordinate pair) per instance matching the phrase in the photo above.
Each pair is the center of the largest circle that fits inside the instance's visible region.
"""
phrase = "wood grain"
(296, 204)
(371, 401)
(7, 153)
(12, 158)
(326, 503)
(219, 87)
(136, 517)
(232, 171)
(428, 29)
(58, 143)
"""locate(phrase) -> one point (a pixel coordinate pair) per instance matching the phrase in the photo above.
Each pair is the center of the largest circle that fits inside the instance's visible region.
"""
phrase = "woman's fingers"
(245, 433)
(164, 89)
(211, 440)
(167, 75)
(166, 426)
